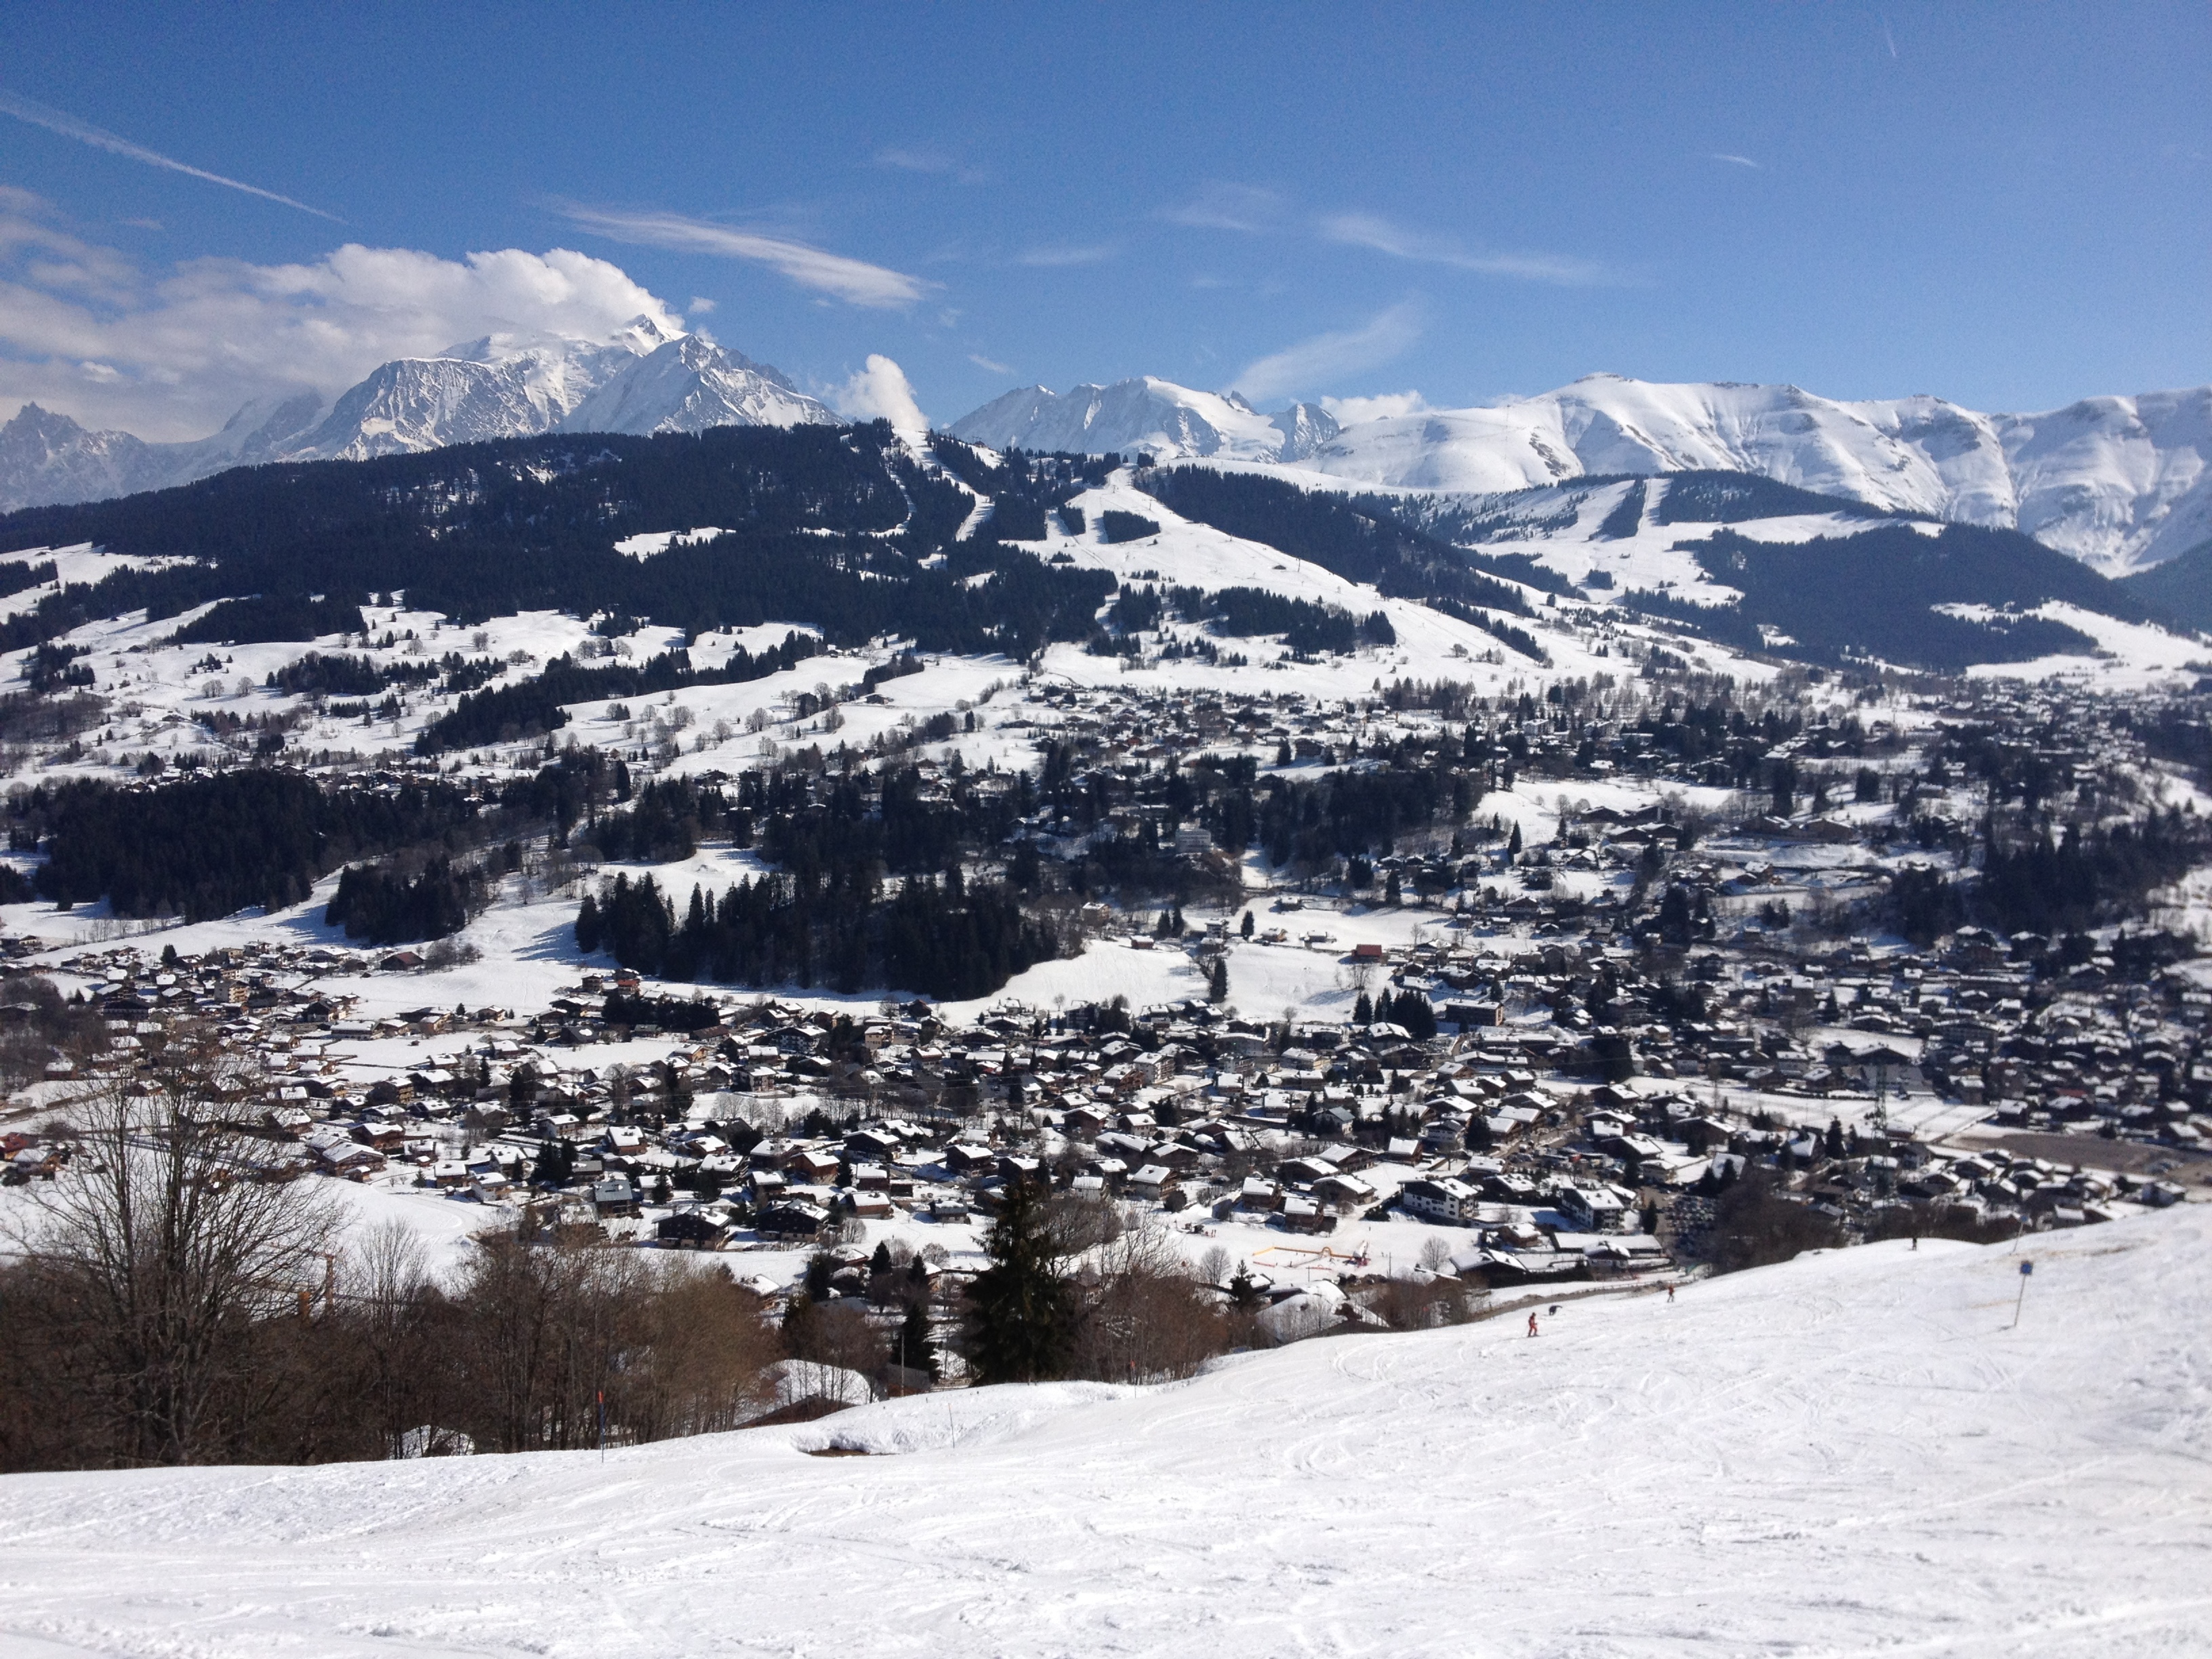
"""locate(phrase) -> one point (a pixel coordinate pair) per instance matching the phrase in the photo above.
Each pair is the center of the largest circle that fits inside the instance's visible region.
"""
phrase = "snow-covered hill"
(2118, 482)
(1855, 1453)
(643, 380)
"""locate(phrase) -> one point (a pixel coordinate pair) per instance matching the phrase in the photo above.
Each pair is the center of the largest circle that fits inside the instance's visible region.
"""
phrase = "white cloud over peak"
(87, 331)
(854, 281)
(881, 390)
(1311, 363)
(1350, 411)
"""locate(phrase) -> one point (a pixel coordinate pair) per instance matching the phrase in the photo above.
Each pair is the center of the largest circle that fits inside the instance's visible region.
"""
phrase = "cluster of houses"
(1566, 1144)
(1593, 1081)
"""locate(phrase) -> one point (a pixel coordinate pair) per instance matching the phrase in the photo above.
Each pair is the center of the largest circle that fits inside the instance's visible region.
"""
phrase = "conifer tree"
(911, 1347)
(1021, 1311)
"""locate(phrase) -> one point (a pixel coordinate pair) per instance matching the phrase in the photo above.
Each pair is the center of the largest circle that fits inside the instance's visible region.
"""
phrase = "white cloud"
(1248, 208)
(982, 362)
(929, 161)
(1309, 363)
(54, 120)
(854, 281)
(699, 307)
(1350, 411)
(1223, 206)
(1369, 230)
(1050, 258)
(1738, 160)
(86, 330)
(881, 390)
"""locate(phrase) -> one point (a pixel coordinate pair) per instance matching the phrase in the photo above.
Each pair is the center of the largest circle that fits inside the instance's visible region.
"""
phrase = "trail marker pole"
(603, 1424)
(2027, 1272)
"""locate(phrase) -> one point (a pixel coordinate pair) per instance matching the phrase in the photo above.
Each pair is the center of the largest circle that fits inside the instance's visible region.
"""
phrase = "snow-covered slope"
(643, 380)
(2126, 482)
(1855, 1453)
(2118, 482)
(458, 397)
(1147, 416)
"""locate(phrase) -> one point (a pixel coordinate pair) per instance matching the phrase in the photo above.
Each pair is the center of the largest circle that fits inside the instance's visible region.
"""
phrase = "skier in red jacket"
(1532, 1321)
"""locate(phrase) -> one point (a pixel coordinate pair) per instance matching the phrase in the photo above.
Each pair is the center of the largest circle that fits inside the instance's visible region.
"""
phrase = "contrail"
(54, 120)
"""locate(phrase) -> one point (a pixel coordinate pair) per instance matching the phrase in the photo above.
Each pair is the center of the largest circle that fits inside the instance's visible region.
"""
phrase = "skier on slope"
(1532, 1321)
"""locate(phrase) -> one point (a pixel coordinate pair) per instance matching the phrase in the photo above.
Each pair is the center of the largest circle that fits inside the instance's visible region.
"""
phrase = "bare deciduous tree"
(179, 1229)
(394, 1300)
(1146, 1318)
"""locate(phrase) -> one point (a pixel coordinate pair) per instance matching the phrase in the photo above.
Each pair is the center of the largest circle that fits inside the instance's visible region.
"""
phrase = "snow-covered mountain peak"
(644, 377)
(1145, 415)
(689, 383)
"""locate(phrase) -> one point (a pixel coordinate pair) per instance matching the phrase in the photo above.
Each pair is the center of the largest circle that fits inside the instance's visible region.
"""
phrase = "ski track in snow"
(1851, 1455)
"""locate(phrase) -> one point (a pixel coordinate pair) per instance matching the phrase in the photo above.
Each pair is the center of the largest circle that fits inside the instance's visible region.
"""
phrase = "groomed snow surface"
(1853, 1454)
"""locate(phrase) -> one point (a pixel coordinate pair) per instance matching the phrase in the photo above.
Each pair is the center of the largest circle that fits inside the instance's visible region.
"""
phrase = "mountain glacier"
(2120, 483)
(645, 379)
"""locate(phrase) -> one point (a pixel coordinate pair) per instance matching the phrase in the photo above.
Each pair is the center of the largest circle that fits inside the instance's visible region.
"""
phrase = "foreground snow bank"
(1851, 1453)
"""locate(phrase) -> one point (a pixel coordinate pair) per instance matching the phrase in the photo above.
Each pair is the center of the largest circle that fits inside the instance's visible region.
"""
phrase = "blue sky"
(2009, 206)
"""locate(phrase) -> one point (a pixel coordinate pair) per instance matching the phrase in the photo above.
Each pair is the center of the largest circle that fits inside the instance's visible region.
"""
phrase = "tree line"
(832, 926)
(533, 707)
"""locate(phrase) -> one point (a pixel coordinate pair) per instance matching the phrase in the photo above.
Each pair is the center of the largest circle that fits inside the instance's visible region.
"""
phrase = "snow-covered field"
(1854, 1454)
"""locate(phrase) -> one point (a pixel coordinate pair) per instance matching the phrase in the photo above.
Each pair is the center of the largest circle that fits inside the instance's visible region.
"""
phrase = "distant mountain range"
(645, 379)
(2123, 484)
(2120, 483)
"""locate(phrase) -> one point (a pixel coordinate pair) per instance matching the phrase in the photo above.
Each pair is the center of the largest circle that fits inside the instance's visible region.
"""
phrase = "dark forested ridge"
(1699, 497)
(828, 527)
(1872, 593)
(2181, 587)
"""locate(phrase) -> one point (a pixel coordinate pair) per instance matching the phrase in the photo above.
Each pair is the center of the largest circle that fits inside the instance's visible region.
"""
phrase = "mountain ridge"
(2119, 483)
(2123, 484)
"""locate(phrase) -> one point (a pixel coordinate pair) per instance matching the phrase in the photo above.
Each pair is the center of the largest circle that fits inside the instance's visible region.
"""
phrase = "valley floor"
(1854, 1454)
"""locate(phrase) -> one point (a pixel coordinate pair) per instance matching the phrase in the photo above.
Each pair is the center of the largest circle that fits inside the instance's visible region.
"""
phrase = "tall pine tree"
(1021, 1308)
